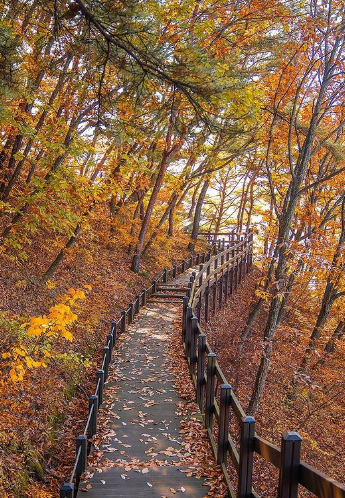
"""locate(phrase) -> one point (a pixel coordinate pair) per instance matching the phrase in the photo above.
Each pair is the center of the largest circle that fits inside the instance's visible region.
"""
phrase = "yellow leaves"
(67, 335)
(79, 294)
(262, 294)
(37, 325)
(21, 351)
(17, 373)
(43, 329)
(32, 363)
(50, 284)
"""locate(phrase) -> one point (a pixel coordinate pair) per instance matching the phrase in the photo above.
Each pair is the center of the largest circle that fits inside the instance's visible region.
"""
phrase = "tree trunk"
(160, 224)
(135, 216)
(168, 154)
(7, 189)
(331, 343)
(171, 222)
(285, 221)
(193, 202)
(197, 216)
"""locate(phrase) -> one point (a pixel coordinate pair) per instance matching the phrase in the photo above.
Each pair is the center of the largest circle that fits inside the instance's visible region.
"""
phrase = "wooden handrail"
(231, 265)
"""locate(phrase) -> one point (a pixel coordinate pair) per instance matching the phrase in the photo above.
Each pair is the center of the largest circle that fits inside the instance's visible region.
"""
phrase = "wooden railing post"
(289, 465)
(100, 378)
(93, 402)
(224, 419)
(106, 354)
(236, 270)
(174, 271)
(184, 317)
(191, 262)
(187, 341)
(130, 313)
(232, 272)
(123, 321)
(67, 490)
(200, 379)
(154, 286)
(221, 279)
(210, 386)
(207, 301)
(198, 312)
(81, 443)
(226, 284)
(197, 261)
(183, 266)
(137, 304)
(240, 249)
(245, 470)
(111, 345)
(245, 256)
(114, 332)
(201, 277)
(193, 344)
(143, 297)
(165, 275)
(251, 238)
(214, 288)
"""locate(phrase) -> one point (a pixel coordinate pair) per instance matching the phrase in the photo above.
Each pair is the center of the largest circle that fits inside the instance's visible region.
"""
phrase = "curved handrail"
(215, 284)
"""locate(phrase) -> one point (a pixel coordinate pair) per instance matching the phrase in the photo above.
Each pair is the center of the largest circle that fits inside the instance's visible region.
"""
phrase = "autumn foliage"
(126, 129)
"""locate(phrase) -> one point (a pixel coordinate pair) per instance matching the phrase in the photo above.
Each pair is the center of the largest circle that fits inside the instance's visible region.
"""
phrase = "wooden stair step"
(172, 289)
(171, 285)
(162, 296)
(164, 302)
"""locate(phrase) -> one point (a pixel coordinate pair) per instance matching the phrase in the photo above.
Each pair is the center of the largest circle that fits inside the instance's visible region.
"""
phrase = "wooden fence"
(208, 290)
(69, 488)
(227, 235)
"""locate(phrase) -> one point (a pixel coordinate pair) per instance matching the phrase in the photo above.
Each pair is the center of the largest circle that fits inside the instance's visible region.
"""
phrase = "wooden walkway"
(144, 446)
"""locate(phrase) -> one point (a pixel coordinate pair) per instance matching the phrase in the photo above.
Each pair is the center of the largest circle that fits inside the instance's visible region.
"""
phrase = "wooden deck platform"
(140, 450)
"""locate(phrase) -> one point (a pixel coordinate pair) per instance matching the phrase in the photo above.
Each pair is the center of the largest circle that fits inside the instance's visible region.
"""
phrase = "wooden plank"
(235, 458)
(237, 408)
(320, 484)
(162, 296)
(267, 450)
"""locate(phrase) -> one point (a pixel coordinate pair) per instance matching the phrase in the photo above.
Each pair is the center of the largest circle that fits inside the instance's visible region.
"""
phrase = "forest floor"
(318, 411)
(41, 416)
